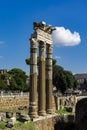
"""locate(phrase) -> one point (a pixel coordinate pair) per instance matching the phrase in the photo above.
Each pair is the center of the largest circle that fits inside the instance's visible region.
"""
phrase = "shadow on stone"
(61, 125)
(66, 122)
(81, 115)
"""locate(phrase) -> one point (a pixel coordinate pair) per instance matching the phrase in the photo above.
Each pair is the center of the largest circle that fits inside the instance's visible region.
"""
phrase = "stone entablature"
(43, 36)
(42, 32)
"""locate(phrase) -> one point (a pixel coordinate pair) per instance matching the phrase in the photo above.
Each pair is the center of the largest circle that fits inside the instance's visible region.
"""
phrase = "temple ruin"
(41, 42)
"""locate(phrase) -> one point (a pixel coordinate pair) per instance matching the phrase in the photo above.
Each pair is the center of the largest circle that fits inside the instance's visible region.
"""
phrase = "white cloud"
(58, 57)
(64, 37)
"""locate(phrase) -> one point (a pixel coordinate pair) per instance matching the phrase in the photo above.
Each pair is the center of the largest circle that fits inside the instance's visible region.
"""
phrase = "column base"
(33, 111)
(50, 111)
(33, 115)
(42, 113)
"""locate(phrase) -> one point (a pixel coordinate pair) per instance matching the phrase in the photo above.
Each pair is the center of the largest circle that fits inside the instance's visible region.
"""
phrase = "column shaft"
(33, 79)
(49, 86)
(41, 90)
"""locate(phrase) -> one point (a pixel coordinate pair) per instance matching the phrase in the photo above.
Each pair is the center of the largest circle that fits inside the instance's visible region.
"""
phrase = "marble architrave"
(43, 36)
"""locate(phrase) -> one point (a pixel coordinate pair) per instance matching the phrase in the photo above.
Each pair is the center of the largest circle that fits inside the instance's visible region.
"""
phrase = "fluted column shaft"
(42, 89)
(49, 86)
(33, 78)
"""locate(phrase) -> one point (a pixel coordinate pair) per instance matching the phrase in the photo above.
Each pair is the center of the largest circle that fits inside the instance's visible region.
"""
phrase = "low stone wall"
(67, 101)
(58, 102)
(50, 121)
(13, 102)
(16, 102)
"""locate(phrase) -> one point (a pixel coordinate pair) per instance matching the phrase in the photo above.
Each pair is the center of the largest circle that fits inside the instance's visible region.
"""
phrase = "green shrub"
(65, 110)
(68, 109)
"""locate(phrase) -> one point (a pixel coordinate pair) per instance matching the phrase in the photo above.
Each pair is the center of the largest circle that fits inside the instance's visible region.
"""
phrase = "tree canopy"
(16, 78)
(62, 79)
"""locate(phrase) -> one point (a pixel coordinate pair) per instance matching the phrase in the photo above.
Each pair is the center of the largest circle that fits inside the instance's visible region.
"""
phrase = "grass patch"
(66, 110)
(18, 125)
(8, 110)
(2, 125)
(30, 125)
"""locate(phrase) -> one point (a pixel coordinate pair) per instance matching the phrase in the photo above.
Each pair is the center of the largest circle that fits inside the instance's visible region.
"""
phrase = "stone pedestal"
(33, 78)
(49, 86)
(41, 90)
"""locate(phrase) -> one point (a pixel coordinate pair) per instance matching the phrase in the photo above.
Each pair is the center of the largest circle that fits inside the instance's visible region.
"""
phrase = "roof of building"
(81, 76)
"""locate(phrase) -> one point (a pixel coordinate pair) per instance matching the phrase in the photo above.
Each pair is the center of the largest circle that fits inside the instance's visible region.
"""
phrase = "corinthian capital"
(33, 42)
(49, 48)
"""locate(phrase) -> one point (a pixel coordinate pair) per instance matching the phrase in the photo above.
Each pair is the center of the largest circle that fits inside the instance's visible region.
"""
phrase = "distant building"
(2, 71)
(81, 77)
(82, 81)
(6, 80)
(28, 81)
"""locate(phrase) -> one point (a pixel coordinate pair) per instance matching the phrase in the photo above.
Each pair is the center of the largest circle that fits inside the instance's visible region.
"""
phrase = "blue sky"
(16, 26)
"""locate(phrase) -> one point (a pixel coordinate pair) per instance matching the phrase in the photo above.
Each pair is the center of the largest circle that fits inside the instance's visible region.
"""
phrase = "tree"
(62, 79)
(13, 85)
(3, 86)
(28, 61)
(18, 80)
(71, 81)
(54, 62)
(4, 82)
(59, 79)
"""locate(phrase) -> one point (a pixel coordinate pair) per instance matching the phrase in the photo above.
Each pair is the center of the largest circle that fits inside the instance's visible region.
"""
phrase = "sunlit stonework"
(41, 40)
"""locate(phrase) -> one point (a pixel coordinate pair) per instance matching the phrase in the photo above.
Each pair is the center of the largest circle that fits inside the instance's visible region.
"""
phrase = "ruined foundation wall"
(13, 102)
(51, 121)
(16, 102)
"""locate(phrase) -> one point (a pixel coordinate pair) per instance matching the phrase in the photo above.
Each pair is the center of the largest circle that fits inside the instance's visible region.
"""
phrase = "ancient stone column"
(49, 86)
(33, 78)
(41, 89)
